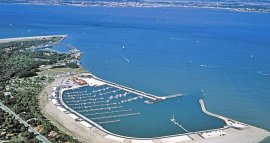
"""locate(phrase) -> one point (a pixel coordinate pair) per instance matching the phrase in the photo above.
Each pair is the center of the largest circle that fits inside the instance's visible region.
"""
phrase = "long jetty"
(212, 114)
(153, 98)
(128, 89)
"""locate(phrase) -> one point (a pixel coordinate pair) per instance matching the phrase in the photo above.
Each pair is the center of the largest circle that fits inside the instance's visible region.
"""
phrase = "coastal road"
(30, 128)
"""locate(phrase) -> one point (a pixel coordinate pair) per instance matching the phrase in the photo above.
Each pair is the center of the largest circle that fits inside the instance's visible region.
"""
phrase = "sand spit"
(6, 40)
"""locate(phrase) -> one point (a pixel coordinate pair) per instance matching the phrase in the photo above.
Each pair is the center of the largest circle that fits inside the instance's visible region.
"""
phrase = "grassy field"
(59, 71)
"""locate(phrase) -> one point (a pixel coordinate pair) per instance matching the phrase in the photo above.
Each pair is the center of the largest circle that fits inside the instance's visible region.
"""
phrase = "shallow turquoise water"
(170, 50)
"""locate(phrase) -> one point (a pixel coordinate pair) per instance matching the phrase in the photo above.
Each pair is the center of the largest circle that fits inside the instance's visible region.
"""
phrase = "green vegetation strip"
(20, 87)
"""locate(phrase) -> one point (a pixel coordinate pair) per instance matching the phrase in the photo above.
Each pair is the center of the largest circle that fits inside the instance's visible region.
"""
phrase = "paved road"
(30, 128)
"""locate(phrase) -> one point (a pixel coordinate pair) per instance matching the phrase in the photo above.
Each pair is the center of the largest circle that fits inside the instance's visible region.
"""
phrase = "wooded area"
(19, 64)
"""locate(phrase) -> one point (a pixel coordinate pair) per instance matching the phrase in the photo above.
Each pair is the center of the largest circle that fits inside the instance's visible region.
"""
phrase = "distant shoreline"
(6, 40)
(203, 5)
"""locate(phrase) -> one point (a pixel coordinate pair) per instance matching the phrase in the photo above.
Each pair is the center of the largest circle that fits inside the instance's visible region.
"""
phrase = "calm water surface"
(167, 51)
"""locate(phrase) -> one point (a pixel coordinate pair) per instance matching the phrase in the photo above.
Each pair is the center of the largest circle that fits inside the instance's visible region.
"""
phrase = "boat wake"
(125, 58)
(176, 39)
(207, 66)
(261, 73)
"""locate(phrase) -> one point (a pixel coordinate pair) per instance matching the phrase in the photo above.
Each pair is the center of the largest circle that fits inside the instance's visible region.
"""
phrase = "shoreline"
(65, 123)
(145, 5)
(103, 136)
(6, 40)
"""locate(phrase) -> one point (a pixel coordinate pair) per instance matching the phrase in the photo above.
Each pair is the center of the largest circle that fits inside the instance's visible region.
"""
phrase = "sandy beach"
(66, 123)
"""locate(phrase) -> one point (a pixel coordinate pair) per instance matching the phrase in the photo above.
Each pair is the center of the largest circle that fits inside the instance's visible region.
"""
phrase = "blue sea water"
(138, 118)
(167, 51)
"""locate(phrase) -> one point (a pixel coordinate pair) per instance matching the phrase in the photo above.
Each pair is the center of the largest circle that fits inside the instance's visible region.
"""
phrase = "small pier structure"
(177, 124)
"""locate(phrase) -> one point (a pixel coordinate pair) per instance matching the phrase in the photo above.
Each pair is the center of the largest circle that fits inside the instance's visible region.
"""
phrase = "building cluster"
(78, 81)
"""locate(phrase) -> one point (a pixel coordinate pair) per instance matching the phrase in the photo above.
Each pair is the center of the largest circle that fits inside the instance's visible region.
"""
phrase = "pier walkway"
(128, 89)
(226, 120)
(177, 124)
(173, 96)
(153, 98)
(229, 122)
